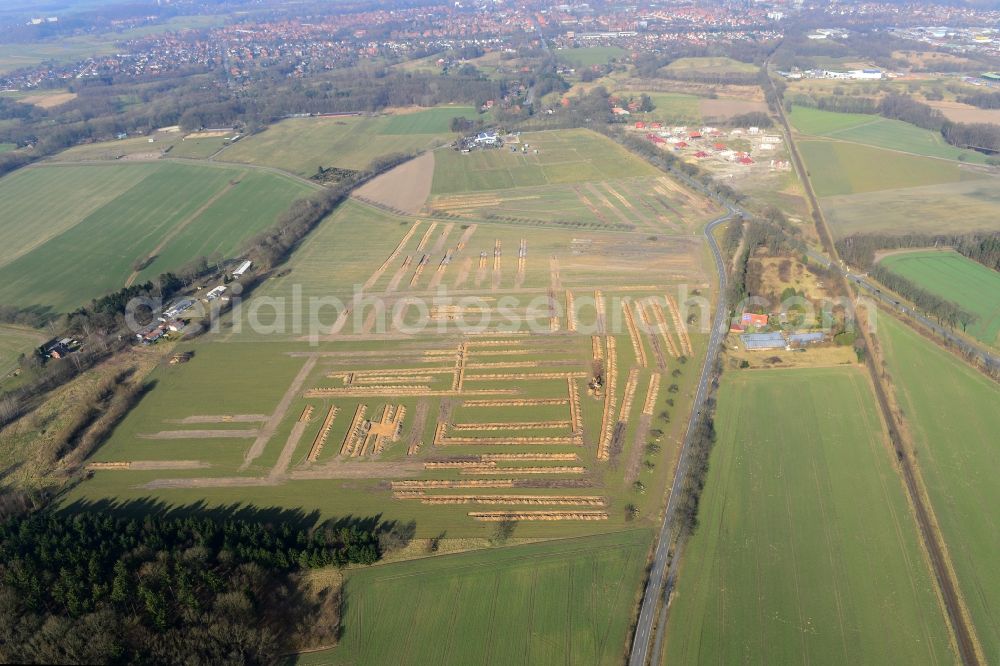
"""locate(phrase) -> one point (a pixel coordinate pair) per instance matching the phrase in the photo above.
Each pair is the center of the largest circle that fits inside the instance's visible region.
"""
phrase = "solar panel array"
(763, 340)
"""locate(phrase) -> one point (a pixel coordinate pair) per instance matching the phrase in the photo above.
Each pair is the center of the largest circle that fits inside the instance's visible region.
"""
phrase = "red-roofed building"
(701, 154)
(694, 135)
(719, 146)
(680, 144)
(640, 125)
(656, 125)
(746, 161)
(751, 319)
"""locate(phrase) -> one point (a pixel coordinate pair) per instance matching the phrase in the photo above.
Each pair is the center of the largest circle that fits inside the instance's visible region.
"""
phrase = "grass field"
(710, 65)
(7, 147)
(567, 601)
(672, 108)
(301, 145)
(951, 207)
(72, 233)
(952, 412)
(15, 341)
(568, 156)
(958, 279)
(838, 167)
(878, 132)
(806, 552)
(590, 55)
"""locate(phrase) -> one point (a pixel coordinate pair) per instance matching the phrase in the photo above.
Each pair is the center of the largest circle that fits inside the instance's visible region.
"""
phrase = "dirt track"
(404, 188)
(199, 434)
(221, 418)
(267, 432)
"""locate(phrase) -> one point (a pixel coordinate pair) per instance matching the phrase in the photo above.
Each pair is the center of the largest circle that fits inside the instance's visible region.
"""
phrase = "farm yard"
(565, 600)
(954, 419)
(101, 219)
(301, 145)
(958, 279)
(805, 550)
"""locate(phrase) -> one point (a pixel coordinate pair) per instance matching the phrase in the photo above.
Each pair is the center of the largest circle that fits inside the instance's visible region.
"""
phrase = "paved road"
(664, 566)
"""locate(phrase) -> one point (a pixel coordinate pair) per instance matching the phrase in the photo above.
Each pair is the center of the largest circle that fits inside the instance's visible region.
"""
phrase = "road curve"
(663, 571)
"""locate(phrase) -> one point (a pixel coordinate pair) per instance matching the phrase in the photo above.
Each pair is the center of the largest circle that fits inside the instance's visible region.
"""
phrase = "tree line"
(945, 311)
(97, 587)
(982, 100)
(860, 249)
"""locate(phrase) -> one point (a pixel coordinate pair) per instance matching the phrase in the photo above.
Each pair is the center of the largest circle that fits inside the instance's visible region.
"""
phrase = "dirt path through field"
(220, 418)
(200, 434)
(181, 226)
(463, 272)
(404, 188)
(638, 445)
(285, 459)
(267, 432)
(439, 244)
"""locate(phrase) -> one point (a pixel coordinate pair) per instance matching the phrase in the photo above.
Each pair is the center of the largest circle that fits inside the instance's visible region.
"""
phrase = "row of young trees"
(93, 587)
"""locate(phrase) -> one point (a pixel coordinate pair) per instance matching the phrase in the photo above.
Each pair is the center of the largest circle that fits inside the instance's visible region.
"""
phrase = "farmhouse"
(151, 333)
(752, 319)
(487, 139)
(58, 348)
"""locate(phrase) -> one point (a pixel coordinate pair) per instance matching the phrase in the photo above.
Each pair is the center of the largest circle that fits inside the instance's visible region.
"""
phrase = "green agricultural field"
(301, 145)
(952, 412)
(566, 601)
(951, 207)
(590, 55)
(566, 156)
(956, 278)
(806, 551)
(74, 232)
(878, 132)
(672, 108)
(710, 65)
(838, 167)
(7, 147)
(14, 341)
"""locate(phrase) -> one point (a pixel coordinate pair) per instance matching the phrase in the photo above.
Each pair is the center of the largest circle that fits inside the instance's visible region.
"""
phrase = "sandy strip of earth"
(285, 459)
(404, 188)
(200, 434)
(221, 418)
(147, 465)
(279, 413)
